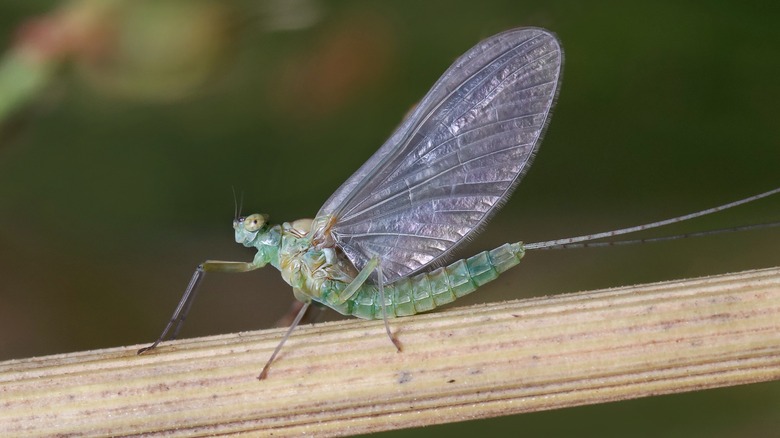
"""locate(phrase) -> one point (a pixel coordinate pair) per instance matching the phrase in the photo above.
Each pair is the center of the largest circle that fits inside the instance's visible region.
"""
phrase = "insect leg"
(264, 373)
(358, 281)
(380, 283)
(183, 308)
(313, 316)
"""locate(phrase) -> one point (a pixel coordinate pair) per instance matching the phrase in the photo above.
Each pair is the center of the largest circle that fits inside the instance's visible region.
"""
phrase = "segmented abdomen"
(428, 290)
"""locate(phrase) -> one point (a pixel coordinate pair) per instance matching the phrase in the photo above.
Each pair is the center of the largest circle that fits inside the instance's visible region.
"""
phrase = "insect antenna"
(570, 242)
(237, 204)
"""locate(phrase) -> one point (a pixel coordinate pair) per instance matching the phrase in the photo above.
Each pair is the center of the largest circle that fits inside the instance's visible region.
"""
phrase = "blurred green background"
(115, 178)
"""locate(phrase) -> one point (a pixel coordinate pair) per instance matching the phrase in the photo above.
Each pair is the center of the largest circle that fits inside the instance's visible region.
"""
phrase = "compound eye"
(254, 222)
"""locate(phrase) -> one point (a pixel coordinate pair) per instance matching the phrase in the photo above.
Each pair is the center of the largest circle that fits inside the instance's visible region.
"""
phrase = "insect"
(372, 248)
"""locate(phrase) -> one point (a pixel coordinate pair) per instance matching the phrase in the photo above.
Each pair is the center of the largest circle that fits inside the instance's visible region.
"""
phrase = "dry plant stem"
(346, 378)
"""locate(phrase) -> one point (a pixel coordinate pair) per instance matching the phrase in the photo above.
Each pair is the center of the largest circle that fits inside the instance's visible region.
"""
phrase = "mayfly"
(371, 249)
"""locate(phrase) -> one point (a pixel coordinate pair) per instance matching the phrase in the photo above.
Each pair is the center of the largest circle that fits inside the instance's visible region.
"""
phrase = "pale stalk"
(463, 363)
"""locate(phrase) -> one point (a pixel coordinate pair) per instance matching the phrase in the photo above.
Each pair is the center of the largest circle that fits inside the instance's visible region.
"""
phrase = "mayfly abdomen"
(428, 290)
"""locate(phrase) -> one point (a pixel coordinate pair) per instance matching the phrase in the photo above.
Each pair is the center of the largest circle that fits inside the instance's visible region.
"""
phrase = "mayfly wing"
(454, 160)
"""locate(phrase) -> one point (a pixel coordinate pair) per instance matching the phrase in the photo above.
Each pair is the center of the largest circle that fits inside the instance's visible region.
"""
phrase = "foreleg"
(180, 314)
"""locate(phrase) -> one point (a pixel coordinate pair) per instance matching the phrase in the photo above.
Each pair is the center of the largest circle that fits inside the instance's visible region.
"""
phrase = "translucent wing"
(454, 160)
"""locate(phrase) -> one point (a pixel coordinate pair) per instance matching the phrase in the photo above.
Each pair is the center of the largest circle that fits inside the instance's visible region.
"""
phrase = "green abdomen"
(428, 290)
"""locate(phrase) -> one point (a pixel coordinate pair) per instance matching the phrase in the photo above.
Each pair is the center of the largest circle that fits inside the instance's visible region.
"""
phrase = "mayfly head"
(247, 228)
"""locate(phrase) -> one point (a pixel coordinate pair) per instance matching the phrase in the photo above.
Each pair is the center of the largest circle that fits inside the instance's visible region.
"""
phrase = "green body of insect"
(445, 171)
(323, 274)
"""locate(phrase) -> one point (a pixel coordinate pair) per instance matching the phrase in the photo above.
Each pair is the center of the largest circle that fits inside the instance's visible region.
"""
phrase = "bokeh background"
(116, 166)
